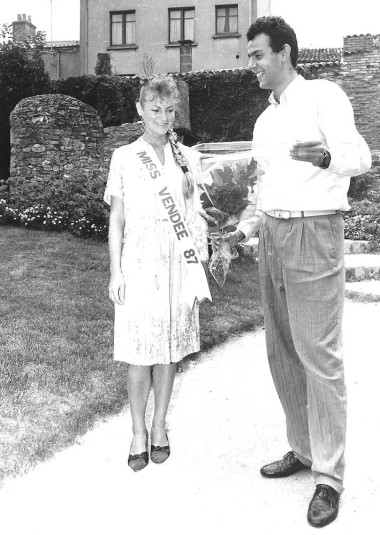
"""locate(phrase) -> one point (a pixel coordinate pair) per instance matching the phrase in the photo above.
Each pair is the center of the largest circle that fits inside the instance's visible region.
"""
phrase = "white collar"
(290, 90)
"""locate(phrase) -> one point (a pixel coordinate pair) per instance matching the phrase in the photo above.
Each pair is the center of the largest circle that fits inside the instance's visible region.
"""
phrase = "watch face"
(326, 159)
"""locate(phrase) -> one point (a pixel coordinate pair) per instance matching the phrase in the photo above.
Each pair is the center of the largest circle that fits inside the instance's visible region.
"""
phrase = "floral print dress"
(155, 325)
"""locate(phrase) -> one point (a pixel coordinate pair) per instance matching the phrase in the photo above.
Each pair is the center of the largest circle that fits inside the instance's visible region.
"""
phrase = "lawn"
(57, 374)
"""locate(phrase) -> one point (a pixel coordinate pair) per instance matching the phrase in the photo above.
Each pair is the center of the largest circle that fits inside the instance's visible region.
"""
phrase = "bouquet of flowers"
(229, 174)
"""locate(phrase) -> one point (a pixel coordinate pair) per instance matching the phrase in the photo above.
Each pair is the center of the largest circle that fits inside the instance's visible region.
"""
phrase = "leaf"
(217, 177)
(216, 214)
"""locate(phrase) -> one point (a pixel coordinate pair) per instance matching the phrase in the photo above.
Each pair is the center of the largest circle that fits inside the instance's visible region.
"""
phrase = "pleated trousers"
(301, 267)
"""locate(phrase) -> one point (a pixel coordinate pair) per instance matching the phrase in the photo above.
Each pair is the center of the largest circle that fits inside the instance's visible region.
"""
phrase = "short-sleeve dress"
(155, 325)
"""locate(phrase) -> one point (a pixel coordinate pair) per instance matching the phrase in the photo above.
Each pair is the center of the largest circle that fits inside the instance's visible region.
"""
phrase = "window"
(181, 24)
(123, 28)
(226, 19)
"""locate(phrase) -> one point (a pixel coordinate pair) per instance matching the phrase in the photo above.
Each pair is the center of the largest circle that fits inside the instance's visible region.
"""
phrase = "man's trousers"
(301, 266)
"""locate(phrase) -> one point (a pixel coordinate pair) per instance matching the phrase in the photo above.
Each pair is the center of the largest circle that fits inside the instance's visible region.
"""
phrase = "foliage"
(112, 97)
(22, 74)
(89, 227)
(228, 195)
(359, 187)
(103, 64)
(147, 65)
(362, 222)
(40, 216)
(224, 105)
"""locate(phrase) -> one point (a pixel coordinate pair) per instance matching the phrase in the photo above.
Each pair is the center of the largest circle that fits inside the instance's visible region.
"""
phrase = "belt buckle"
(282, 214)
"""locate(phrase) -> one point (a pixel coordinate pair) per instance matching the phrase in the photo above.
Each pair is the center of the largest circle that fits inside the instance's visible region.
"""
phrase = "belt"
(286, 214)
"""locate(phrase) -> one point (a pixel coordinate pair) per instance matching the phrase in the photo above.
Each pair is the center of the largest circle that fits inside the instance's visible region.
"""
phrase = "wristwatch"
(326, 159)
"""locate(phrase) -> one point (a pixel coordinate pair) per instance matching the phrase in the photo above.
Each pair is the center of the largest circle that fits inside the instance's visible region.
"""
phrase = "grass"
(57, 373)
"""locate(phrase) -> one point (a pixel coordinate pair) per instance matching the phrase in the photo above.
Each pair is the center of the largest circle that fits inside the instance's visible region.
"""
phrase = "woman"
(157, 240)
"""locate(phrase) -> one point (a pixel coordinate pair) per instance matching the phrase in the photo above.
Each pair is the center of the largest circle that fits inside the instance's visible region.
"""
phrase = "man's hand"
(233, 238)
(308, 151)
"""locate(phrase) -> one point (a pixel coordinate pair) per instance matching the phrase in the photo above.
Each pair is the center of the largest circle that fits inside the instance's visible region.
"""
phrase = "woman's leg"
(163, 380)
(139, 381)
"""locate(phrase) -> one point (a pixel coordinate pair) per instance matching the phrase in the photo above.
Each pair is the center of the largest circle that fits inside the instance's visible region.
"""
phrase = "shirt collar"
(291, 90)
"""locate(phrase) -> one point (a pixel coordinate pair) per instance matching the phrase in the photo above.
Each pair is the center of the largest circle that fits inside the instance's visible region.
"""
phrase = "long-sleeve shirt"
(309, 110)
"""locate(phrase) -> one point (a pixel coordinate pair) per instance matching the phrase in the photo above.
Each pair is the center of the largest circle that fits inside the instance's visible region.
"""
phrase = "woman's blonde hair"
(162, 87)
(158, 86)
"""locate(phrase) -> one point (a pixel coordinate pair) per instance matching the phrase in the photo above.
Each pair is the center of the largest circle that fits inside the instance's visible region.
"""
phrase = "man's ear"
(285, 52)
(139, 108)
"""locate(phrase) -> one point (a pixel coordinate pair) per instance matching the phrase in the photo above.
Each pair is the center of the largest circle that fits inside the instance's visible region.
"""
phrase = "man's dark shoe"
(288, 465)
(323, 507)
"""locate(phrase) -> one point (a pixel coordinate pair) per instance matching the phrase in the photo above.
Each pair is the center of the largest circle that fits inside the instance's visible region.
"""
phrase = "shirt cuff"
(250, 227)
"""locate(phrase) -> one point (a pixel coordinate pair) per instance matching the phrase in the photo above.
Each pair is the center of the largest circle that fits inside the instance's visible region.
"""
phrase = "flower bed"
(44, 217)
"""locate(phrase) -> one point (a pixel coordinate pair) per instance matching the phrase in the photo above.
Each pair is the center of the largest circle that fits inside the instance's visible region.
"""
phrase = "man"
(307, 146)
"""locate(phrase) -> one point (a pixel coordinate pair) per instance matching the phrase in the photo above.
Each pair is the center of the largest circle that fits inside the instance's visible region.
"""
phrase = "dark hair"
(279, 33)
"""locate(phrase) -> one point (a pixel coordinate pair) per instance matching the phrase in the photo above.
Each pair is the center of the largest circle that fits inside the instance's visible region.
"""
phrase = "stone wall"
(56, 154)
(359, 76)
(117, 136)
(361, 81)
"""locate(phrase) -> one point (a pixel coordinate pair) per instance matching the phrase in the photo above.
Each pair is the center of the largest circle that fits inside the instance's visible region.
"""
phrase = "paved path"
(225, 422)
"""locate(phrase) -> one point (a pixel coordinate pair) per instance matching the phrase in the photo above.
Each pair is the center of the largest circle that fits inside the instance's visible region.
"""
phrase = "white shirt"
(309, 110)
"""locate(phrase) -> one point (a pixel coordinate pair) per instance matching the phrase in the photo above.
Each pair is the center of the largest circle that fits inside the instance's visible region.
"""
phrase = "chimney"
(185, 55)
(23, 28)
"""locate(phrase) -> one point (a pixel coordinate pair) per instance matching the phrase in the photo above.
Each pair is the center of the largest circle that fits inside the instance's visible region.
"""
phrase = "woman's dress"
(154, 326)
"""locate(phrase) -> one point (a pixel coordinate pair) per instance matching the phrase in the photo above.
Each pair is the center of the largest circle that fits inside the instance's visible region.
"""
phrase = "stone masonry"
(361, 82)
(56, 152)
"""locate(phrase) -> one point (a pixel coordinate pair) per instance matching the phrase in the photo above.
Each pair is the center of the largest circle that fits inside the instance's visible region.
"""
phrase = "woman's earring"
(142, 124)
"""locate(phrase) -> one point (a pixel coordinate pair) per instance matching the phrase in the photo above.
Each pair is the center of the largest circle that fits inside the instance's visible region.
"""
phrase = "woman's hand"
(116, 288)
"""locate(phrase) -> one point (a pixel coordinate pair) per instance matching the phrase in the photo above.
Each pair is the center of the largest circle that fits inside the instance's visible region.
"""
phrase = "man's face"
(266, 64)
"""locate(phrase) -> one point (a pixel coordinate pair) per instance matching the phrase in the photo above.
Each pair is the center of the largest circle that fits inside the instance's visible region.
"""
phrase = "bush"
(22, 74)
(359, 187)
(113, 98)
(362, 222)
(103, 64)
(40, 216)
(224, 105)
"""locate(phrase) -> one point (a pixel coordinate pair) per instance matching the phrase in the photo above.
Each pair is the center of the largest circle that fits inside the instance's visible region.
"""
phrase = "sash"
(196, 285)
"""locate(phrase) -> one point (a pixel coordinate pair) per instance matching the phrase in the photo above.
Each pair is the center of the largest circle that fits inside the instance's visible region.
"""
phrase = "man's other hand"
(308, 151)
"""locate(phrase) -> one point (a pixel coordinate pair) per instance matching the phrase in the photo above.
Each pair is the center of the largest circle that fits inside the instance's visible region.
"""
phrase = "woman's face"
(158, 114)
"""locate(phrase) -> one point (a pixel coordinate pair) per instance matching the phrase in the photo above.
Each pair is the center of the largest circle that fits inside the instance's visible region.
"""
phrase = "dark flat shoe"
(159, 454)
(139, 460)
(323, 507)
(288, 465)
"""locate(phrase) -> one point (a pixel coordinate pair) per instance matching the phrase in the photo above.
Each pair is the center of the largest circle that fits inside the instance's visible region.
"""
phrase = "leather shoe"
(139, 460)
(323, 507)
(288, 465)
(159, 454)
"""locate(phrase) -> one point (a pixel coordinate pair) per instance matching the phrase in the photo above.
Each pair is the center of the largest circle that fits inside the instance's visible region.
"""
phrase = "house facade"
(136, 33)
(61, 58)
